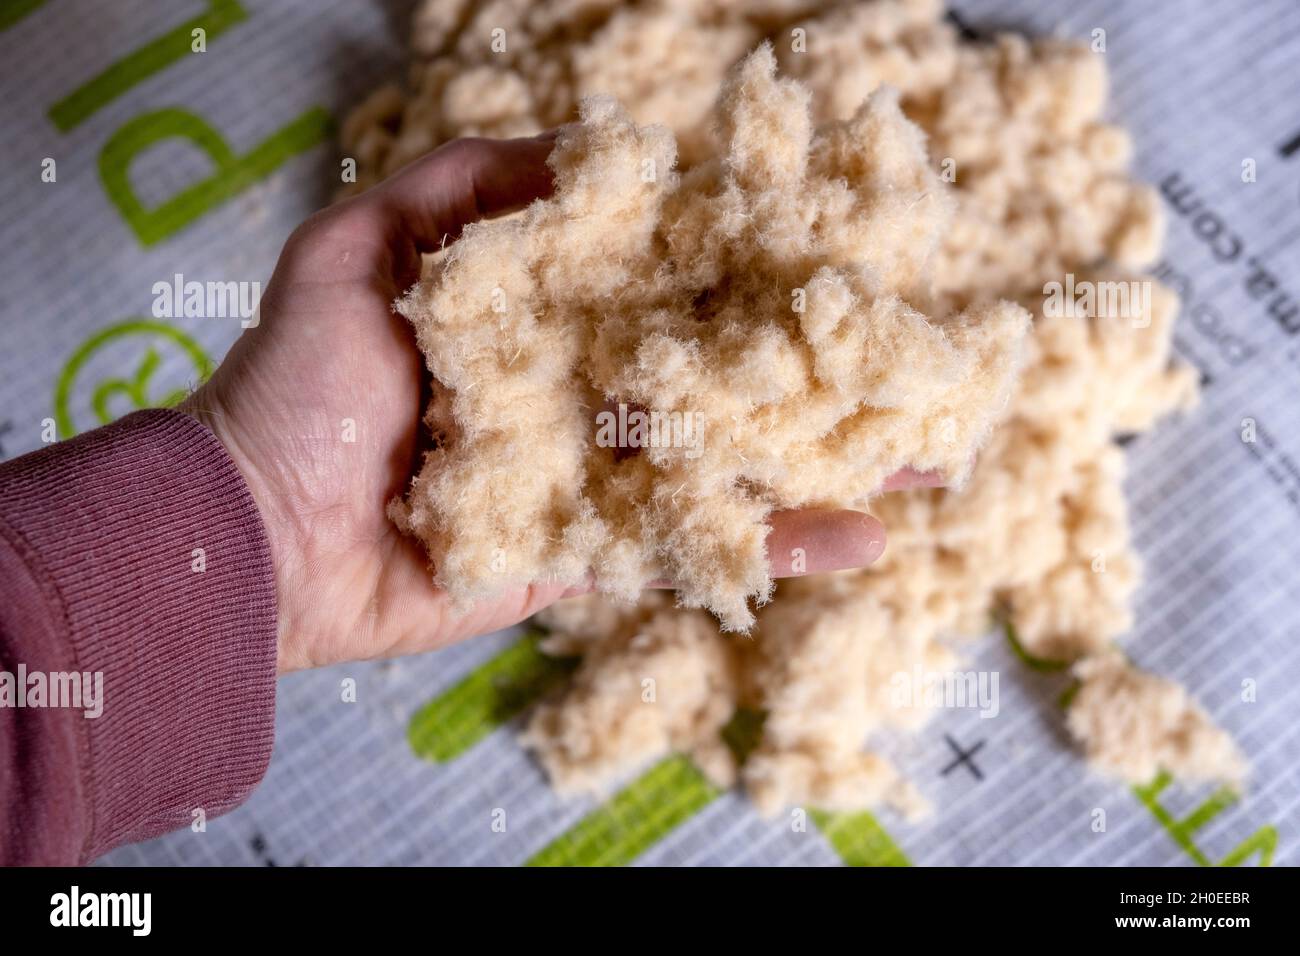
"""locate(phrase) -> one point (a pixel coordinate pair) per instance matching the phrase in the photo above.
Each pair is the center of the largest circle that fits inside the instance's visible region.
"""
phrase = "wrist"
(205, 407)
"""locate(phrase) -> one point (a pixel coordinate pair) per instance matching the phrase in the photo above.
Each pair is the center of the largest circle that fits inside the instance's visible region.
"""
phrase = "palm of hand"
(320, 405)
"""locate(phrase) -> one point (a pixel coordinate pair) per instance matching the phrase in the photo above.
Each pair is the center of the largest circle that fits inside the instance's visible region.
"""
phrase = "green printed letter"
(233, 173)
(143, 63)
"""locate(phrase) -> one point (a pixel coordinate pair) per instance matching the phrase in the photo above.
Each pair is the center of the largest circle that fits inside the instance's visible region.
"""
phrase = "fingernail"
(909, 478)
(814, 541)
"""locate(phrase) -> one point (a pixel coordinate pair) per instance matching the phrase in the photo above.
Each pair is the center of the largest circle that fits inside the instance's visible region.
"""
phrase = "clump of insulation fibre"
(776, 297)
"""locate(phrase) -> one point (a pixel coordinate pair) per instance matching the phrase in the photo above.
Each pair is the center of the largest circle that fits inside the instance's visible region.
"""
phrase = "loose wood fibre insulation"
(915, 192)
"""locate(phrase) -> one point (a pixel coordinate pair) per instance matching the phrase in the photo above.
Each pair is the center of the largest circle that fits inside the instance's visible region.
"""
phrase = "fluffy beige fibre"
(1039, 533)
(1134, 725)
(775, 296)
(671, 662)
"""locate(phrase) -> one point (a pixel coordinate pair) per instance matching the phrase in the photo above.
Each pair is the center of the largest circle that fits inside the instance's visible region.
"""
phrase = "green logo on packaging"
(93, 379)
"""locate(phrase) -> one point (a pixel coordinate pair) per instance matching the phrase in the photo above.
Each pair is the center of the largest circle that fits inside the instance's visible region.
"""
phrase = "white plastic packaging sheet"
(1209, 90)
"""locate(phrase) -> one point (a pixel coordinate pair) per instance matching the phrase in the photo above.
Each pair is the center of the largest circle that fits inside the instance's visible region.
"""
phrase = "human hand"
(328, 351)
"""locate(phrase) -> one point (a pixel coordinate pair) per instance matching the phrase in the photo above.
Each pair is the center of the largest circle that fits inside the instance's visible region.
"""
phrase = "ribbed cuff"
(147, 534)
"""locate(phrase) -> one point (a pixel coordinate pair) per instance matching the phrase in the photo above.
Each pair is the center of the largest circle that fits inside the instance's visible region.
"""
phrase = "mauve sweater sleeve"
(101, 572)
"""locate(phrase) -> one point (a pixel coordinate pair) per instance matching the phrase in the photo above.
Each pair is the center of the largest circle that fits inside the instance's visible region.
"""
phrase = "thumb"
(431, 200)
(425, 205)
